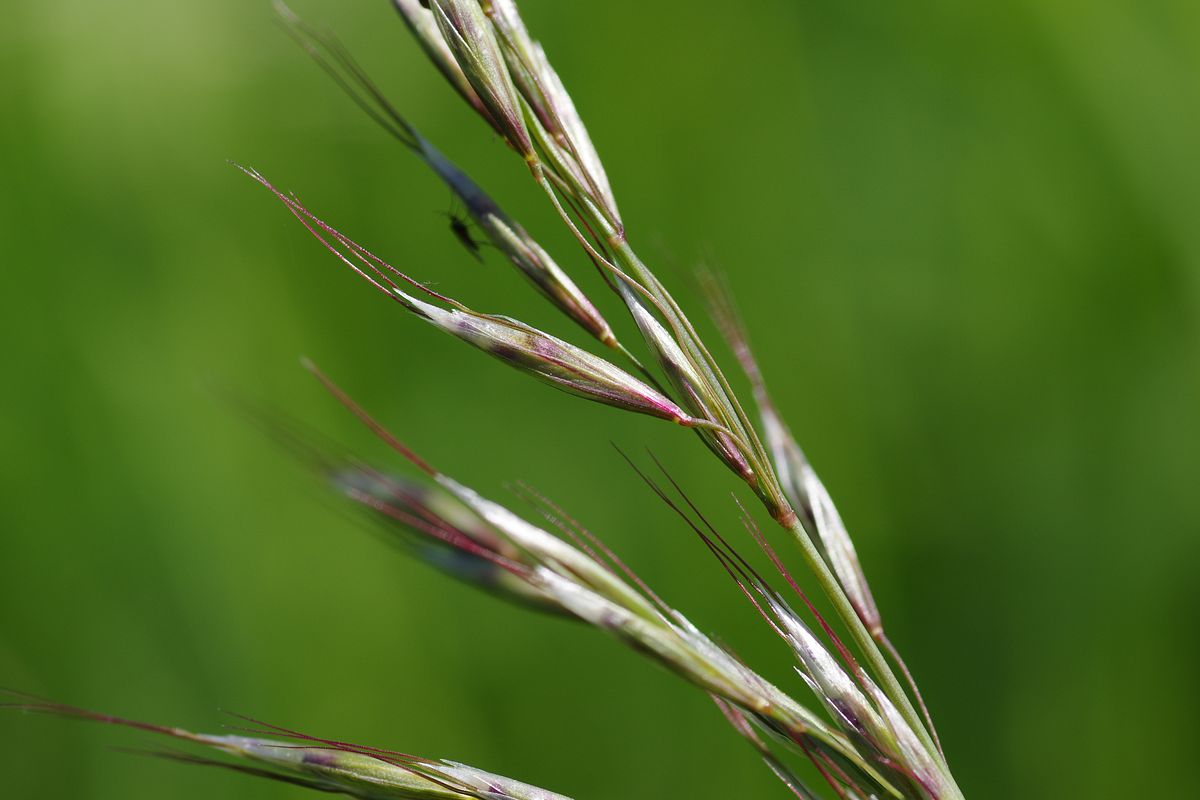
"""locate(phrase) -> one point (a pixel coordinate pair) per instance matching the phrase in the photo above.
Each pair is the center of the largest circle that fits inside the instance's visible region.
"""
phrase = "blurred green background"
(967, 239)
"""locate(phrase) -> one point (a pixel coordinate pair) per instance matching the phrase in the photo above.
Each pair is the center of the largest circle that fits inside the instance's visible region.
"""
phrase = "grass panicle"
(863, 736)
(560, 167)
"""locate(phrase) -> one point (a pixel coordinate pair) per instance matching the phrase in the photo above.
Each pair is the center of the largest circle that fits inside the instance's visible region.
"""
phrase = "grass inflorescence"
(859, 727)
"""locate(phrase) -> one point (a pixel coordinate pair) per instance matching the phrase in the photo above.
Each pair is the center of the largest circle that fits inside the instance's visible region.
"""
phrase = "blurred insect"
(461, 229)
(460, 226)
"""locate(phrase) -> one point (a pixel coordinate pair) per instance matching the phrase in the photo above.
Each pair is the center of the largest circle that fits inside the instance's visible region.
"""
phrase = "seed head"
(548, 551)
(419, 17)
(691, 386)
(433, 527)
(329, 765)
(534, 352)
(549, 359)
(543, 90)
(832, 685)
(469, 36)
(541, 270)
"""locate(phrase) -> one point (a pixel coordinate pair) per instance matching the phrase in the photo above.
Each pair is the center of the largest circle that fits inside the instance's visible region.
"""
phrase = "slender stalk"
(894, 654)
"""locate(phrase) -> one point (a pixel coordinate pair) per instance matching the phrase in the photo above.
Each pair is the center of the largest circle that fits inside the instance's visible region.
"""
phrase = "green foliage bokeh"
(965, 237)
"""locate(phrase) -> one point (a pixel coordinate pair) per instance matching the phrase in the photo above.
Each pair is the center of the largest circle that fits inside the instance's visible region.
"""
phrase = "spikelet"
(328, 765)
(534, 352)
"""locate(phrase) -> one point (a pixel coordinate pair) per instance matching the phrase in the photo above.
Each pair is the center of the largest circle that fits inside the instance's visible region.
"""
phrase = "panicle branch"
(327, 765)
(575, 581)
